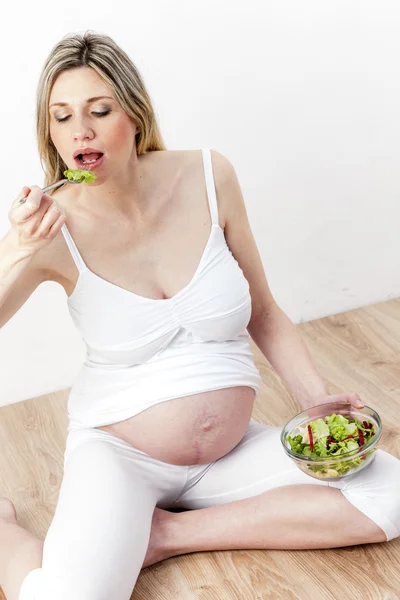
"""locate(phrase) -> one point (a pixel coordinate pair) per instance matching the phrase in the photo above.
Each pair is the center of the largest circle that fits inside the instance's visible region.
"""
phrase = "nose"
(83, 131)
(84, 134)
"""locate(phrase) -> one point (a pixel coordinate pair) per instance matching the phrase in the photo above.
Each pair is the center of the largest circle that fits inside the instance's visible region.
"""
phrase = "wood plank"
(354, 351)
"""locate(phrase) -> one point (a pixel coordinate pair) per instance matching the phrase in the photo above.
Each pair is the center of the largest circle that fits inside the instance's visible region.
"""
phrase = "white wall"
(302, 97)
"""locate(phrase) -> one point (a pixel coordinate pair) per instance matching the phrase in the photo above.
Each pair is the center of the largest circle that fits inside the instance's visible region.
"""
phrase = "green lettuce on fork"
(330, 437)
(80, 175)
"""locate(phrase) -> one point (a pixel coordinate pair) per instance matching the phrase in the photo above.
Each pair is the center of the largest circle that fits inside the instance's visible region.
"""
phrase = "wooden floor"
(356, 351)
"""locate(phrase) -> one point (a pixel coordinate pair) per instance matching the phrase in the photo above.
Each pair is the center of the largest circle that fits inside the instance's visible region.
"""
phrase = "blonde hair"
(113, 65)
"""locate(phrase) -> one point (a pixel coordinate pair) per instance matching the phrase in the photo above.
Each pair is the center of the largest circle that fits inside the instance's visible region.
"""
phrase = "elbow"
(262, 315)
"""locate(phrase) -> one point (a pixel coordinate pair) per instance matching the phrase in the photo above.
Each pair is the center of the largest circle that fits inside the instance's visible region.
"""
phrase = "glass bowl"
(350, 462)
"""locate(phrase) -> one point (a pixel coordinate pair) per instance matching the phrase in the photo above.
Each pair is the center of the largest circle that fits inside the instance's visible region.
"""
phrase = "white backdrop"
(302, 97)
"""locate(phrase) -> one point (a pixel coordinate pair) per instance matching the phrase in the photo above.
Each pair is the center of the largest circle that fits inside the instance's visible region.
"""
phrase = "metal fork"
(51, 187)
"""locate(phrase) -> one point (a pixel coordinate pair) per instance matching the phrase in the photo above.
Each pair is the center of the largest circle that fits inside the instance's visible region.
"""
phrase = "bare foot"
(7, 510)
(160, 537)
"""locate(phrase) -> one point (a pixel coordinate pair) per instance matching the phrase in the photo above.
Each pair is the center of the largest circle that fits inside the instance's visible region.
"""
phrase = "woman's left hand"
(347, 398)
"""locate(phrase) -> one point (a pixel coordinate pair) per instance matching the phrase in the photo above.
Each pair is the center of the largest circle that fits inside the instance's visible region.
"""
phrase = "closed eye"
(98, 114)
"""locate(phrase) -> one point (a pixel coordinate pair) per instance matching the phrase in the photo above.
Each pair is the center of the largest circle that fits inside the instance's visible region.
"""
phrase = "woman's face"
(99, 124)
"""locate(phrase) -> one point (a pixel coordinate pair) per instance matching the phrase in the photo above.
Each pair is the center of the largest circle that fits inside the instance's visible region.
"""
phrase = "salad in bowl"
(333, 440)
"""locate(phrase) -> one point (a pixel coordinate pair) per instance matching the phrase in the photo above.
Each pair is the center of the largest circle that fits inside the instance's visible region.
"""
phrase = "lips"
(90, 166)
(86, 151)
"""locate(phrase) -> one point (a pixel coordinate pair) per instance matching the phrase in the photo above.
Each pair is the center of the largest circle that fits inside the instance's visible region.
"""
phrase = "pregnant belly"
(192, 430)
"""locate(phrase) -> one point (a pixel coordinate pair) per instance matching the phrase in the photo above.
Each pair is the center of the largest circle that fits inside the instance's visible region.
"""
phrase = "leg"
(293, 512)
(267, 521)
(20, 551)
(96, 542)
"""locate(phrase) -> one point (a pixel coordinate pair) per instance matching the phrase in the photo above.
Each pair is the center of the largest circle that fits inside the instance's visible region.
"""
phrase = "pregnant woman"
(165, 284)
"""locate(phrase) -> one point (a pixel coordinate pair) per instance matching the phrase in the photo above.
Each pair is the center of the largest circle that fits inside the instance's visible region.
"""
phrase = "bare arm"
(20, 275)
(22, 250)
(282, 344)
(271, 329)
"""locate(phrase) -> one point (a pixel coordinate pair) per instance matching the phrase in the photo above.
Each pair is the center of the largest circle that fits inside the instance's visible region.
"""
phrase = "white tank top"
(143, 351)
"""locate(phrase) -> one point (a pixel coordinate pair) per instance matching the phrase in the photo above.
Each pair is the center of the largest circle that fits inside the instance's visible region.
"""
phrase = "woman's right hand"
(36, 222)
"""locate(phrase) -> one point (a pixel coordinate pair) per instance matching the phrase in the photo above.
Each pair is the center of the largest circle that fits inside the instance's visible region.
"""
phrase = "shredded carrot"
(311, 438)
(361, 436)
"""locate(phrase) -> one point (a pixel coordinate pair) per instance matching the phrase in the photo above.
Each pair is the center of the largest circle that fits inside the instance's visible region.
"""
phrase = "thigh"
(257, 464)
(97, 541)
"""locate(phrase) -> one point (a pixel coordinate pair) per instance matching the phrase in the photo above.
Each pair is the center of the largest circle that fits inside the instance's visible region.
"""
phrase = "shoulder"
(224, 176)
(220, 162)
(227, 187)
(223, 170)
(222, 167)
(190, 160)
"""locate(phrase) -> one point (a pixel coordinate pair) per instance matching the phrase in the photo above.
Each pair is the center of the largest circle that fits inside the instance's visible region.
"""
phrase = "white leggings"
(97, 541)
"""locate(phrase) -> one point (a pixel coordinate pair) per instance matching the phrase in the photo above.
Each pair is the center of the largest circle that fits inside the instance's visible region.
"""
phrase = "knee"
(376, 492)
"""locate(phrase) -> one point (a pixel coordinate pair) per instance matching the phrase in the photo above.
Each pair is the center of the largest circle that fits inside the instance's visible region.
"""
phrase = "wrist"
(312, 399)
(17, 252)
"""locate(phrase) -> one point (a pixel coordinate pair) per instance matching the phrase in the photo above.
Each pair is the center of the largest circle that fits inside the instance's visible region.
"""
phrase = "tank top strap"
(78, 260)
(212, 197)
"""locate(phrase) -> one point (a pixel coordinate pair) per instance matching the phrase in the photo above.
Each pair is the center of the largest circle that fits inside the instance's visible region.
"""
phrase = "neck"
(122, 195)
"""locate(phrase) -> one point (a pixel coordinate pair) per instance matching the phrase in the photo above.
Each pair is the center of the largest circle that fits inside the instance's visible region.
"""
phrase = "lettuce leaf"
(319, 430)
(333, 436)
(80, 175)
(339, 427)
